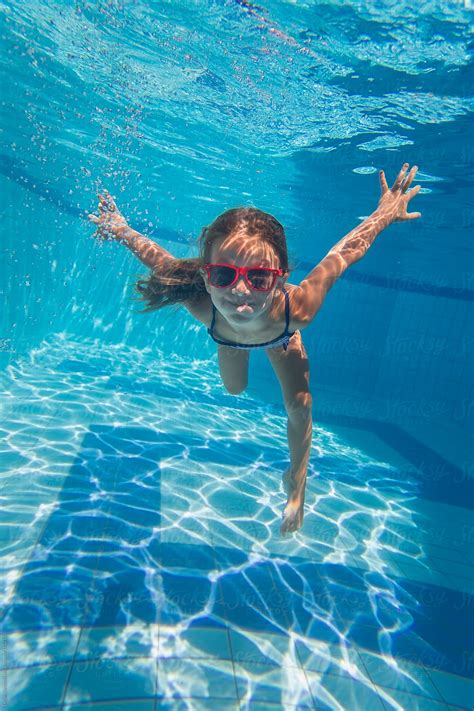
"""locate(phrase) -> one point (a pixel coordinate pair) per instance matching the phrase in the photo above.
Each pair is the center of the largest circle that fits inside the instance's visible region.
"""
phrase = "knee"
(235, 389)
(300, 406)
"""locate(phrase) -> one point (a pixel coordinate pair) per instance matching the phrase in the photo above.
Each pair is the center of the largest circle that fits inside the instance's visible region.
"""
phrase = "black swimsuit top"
(282, 340)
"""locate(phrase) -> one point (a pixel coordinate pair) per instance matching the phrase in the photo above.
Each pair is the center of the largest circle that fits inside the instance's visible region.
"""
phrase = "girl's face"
(240, 303)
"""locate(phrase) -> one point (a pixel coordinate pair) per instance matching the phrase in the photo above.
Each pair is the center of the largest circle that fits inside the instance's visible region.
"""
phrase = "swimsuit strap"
(287, 310)
(287, 318)
(213, 318)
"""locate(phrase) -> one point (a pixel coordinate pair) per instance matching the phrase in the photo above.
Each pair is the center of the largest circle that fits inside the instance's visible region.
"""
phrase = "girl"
(236, 287)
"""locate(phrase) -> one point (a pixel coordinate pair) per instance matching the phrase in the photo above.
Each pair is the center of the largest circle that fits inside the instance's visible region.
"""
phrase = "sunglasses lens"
(221, 276)
(261, 279)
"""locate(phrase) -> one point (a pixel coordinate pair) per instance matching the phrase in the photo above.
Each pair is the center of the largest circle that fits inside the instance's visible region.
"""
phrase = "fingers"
(413, 192)
(401, 175)
(383, 182)
(106, 205)
(413, 215)
(409, 179)
(110, 201)
(106, 202)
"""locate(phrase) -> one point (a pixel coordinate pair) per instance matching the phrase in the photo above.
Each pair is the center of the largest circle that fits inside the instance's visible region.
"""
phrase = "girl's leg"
(299, 431)
(234, 368)
(292, 370)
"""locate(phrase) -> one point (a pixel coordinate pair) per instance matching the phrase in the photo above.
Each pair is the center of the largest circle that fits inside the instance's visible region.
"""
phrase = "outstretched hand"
(394, 201)
(110, 220)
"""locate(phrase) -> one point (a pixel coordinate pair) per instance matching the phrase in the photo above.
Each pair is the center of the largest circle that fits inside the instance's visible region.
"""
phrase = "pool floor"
(142, 565)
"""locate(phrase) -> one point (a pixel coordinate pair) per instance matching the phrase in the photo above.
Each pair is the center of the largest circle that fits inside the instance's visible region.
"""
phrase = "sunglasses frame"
(244, 272)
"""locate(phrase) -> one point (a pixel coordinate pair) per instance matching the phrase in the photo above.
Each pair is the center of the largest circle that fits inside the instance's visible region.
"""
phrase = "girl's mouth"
(241, 306)
(244, 308)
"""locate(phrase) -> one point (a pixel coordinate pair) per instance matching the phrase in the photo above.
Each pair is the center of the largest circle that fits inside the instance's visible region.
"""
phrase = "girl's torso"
(272, 328)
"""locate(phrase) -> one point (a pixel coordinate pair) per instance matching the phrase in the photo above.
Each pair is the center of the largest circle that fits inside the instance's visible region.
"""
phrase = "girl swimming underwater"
(238, 288)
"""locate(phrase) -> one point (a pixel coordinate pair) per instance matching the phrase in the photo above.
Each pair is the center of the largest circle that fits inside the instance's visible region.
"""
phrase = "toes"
(292, 519)
(289, 523)
(288, 527)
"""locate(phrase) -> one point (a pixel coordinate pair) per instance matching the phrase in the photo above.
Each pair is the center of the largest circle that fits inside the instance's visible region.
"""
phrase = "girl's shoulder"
(296, 322)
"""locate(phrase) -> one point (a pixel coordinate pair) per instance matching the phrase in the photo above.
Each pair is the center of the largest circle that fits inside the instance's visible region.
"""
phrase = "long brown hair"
(179, 280)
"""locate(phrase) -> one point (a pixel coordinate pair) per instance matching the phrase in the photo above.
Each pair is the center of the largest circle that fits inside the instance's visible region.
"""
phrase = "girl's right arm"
(111, 225)
(142, 247)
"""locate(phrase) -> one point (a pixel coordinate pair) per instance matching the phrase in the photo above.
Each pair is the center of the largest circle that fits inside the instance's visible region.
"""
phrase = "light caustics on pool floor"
(142, 504)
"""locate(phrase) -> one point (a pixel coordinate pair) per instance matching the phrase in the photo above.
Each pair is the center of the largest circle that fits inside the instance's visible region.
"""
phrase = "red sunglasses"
(258, 278)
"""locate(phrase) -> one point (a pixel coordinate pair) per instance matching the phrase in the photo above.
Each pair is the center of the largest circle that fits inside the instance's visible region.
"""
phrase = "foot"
(292, 516)
(294, 509)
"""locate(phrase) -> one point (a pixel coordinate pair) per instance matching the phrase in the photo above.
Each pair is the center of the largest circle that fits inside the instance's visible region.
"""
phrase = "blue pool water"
(141, 565)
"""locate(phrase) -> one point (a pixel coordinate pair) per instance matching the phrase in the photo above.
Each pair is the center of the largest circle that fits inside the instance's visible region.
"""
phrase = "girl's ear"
(203, 273)
(281, 280)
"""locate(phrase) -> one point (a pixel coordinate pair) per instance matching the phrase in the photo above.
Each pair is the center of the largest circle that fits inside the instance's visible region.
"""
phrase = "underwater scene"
(217, 491)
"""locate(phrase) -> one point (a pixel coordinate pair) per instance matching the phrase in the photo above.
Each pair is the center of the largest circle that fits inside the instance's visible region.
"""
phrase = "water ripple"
(131, 510)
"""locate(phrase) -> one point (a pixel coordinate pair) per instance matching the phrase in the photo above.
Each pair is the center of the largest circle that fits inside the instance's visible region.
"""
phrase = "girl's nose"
(240, 286)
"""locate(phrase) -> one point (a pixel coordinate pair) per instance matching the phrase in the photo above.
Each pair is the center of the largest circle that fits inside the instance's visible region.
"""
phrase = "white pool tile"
(208, 678)
(452, 522)
(47, 647)
(148, 705)
(326, 658)
(409, 702)
(250, 648)
(398, 674)
(342, 691)
(461, 552)
(134, 640)
(454, 569)
(195, 642)
(249, 705)
(104, 679)
(264, 683)
(454, 689)
(29, 684)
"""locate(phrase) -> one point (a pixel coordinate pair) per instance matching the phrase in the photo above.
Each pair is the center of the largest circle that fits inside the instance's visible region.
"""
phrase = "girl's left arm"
(392, 207)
